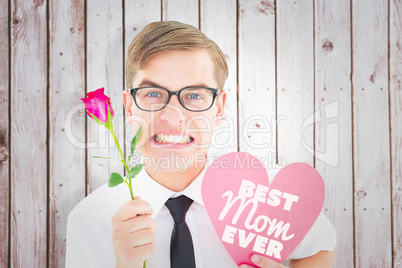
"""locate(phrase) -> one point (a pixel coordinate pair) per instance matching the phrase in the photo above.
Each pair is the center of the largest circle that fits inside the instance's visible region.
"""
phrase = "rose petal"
(97, 103)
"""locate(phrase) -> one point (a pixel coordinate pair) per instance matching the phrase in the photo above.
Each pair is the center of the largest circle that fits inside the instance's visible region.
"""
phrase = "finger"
(123, 229)
(127, 240)
(131, 209)
(126, 254)
(265, 262)
(141, 238)
(146, 250)
(135, 224)
(141, 222)
(140, 254)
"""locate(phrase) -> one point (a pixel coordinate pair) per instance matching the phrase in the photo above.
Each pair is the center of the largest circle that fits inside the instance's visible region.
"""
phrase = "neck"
(175, 180)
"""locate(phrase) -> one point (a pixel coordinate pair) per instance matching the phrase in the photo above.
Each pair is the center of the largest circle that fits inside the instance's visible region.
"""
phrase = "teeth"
(165, 138)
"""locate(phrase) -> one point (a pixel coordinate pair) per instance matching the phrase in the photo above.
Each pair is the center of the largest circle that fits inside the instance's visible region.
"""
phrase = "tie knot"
(178, 207)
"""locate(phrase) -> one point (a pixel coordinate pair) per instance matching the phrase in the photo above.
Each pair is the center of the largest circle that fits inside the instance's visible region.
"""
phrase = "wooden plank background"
(333, 92)
(29, 147)
(371, 133)
(395, 93)
(66, 83)
(315, 81)
(4, 133)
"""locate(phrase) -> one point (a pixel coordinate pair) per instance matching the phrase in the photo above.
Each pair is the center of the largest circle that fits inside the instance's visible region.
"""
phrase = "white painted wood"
(179, 10)
(218, 22)
(105, 69)
(295, 84)
(28, 134)
(371, 134)
(257, 96)
(333, 130)
(396, 126)
(4, 134)
(374, 112)
(138, 14)
(66, 86)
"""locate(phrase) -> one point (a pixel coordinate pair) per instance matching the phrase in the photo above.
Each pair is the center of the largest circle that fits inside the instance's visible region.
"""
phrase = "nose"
(173, 112)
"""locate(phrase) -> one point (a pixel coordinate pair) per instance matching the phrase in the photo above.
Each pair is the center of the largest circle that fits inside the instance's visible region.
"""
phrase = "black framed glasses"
(195, 99)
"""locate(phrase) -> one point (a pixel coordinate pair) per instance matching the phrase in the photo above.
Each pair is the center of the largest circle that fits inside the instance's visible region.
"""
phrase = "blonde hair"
(172, 35)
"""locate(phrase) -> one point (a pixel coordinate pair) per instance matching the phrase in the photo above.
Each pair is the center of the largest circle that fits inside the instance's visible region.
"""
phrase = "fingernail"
(255, 259)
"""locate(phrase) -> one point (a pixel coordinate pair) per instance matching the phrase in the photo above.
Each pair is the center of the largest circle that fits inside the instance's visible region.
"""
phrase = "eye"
(194, 96)
(153, 94)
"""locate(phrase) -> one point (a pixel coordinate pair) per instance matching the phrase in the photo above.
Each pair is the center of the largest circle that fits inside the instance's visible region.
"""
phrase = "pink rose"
(98, 105)
(99, 108)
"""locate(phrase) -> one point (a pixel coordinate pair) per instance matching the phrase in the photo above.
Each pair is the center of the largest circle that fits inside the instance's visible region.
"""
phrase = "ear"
(128, 103)
(221, 106)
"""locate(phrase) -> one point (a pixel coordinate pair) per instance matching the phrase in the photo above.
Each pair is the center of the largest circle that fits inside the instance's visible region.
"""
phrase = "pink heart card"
(251, 216)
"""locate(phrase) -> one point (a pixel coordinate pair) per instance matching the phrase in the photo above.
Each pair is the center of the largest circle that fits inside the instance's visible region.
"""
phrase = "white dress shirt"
(89, 228)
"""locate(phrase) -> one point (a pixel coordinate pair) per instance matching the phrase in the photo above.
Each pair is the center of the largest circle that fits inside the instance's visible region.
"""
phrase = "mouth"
(170, 138)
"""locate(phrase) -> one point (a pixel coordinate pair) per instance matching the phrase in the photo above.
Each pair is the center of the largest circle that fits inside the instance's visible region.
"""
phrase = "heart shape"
(250, 216)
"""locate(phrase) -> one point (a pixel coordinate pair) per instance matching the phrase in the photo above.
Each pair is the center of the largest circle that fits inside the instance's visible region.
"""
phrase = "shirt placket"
(191, 225)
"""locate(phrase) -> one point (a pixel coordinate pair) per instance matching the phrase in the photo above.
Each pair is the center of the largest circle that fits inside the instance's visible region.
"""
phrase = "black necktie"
(181, 244)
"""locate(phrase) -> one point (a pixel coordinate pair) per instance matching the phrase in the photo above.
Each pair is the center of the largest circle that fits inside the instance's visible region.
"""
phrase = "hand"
(262, 262)
(133, 233)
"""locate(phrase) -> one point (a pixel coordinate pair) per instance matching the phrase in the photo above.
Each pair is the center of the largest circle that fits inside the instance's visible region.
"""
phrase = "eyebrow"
(147, 82)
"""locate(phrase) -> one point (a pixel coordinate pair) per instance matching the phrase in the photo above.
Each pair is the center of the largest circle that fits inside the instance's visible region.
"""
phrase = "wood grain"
(179, 10)
(257, 130)
(332, 57)
(333, 130)
(29, 134)
(295, 79)
(4, 134)
(105, 69)
(396, 126)
(137, 15)
(218, 22)
(371, 134)
(66, 86)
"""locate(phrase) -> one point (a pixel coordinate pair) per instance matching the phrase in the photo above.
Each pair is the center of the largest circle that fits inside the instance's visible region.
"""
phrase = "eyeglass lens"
(195, 99)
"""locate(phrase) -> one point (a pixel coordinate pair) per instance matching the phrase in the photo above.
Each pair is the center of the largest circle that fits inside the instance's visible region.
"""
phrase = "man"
(175, 76)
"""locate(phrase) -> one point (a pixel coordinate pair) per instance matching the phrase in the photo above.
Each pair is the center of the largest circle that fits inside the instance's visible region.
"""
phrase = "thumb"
(265, 262)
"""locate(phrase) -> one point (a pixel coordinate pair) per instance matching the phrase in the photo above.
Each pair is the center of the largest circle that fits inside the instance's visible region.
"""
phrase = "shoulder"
(89, 241)
(101, 204)
(322, 236)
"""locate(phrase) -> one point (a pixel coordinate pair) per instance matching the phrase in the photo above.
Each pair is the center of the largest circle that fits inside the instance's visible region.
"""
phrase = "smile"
(168, 138)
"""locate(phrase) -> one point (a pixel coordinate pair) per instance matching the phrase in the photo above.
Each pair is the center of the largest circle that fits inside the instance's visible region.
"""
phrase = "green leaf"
(115, 179)
(134, 142)
(94, 156)
(134, 171)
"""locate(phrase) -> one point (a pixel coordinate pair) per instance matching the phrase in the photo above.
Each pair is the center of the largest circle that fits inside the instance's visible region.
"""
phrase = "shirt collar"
(156, 194)
(194, 189)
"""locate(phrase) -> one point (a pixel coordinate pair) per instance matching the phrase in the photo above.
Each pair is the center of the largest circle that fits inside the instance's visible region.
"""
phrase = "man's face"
(191, 131)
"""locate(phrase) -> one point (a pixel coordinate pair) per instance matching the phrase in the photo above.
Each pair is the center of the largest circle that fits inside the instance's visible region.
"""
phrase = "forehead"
(176, 69)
